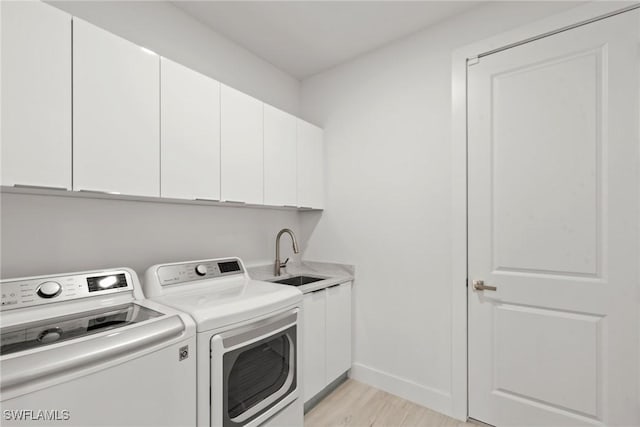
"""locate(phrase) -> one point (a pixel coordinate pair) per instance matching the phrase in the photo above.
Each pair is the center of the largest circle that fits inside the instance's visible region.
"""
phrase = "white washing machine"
(247, 341)
(85, 349)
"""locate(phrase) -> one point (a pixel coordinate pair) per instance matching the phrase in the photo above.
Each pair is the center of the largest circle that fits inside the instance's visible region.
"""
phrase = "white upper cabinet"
(36, 95)
(310, 166)
(116, 117)
(280, 164)
(83, 109)
(241, 147)
(190, 137)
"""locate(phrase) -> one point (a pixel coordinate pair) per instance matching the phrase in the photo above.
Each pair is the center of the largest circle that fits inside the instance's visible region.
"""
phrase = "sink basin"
(298, 280)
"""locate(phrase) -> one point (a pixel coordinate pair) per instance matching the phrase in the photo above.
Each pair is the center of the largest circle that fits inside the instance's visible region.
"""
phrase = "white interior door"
(553, 224)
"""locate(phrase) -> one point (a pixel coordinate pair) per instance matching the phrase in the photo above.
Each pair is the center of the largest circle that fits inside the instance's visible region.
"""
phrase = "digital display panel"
(102, 283)
(229, 266)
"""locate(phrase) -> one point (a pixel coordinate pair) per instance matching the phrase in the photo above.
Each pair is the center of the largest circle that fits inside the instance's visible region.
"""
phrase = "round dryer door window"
(258, 376)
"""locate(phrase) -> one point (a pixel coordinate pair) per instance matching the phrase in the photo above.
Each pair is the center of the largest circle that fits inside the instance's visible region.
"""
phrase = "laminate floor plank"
(354, 404)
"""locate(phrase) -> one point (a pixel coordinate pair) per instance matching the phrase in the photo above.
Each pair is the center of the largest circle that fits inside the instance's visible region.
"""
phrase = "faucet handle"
(284, 264)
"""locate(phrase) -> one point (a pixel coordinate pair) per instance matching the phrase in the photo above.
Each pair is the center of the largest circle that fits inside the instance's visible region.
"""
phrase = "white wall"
(50, 234)
(42, 234)
(170, 32)
(387, 119)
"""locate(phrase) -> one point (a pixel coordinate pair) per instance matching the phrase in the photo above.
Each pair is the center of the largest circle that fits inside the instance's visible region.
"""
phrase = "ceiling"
(303, 38)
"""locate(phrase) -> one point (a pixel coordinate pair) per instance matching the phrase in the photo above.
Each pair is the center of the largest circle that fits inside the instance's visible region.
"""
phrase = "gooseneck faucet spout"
(278, 265)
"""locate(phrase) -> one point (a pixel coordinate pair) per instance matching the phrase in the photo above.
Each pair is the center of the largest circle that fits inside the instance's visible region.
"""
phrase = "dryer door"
(256, 369)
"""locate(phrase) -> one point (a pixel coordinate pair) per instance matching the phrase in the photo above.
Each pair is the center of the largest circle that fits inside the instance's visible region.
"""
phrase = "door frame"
(563, 21)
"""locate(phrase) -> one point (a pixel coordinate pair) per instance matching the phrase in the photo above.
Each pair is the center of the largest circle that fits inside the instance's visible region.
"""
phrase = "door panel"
(314, 343)
(116, 117)
(338, 323)
(241, 142)
(553, 224)
(190, 136)
(565, 346)
(36, 95)
(310, 166)
(533, 151)
(280, 170)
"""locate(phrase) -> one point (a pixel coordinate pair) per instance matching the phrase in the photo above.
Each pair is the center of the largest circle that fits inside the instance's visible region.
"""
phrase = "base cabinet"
(314, 343)
(326, 337)
(338, 331)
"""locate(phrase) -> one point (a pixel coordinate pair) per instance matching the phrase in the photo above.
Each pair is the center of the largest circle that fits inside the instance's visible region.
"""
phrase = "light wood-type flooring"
(357, 404)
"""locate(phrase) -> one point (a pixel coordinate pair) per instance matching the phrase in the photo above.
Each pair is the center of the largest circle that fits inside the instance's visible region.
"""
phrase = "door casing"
(459, 273)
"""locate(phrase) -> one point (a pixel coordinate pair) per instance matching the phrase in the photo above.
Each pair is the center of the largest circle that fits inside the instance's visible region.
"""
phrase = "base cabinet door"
(36, 95)
(314, 343)
(338, 326)
(116, 117)
(190, 137)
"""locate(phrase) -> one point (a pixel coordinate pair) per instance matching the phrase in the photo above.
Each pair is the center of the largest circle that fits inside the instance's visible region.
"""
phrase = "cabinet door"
(241, 147)
(36, 95)
(190, 137)
(310, 166)
(338, 331)
(280, 164)
(116, 114)
(314, 343)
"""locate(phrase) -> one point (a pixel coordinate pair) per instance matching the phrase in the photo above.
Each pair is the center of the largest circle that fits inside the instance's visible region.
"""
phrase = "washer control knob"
(201, 270)
(49, 289)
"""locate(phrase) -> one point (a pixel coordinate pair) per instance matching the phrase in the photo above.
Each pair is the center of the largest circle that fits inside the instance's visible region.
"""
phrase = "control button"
(201, 270)
(50, 335)
(49, 289)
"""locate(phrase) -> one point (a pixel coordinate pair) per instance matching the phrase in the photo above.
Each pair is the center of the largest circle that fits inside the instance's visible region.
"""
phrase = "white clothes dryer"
(247, 341)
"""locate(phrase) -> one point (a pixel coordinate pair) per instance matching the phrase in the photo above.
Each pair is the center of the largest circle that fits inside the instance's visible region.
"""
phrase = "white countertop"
(331, 273)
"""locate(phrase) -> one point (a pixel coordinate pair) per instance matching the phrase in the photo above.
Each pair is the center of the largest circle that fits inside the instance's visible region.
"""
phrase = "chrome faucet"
(278, 265)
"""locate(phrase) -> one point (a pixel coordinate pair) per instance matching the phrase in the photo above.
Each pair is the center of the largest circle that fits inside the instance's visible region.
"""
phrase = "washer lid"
(54, 330)
(231, 302)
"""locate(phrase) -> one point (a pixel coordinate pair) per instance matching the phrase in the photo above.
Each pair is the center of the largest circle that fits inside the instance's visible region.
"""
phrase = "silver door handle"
(479, 285)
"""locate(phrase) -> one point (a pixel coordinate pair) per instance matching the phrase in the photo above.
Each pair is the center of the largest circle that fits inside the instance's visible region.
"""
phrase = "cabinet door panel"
(190, 137)
(338, 331)
(36, 95)
(241, 147)
(310, 166)
(116, 117)
(280, 170)
(314, 343)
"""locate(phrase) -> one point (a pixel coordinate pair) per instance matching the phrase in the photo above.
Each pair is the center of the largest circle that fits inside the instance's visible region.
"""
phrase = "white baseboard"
(431, 398)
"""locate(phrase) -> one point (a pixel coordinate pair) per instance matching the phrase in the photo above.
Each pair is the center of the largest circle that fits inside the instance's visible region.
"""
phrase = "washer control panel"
(48, 289)
(174, 274)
